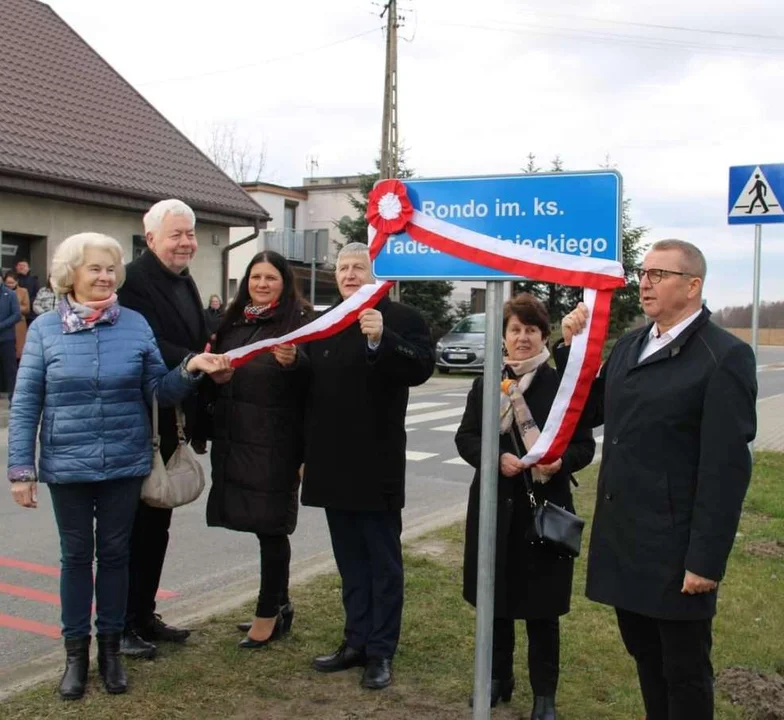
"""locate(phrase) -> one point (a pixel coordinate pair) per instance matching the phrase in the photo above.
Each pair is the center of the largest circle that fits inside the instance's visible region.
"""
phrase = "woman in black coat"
(532, 582)
(213, 314)
(257, 434)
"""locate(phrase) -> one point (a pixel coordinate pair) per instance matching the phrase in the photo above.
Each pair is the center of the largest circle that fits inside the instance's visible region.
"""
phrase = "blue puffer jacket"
(93, 387)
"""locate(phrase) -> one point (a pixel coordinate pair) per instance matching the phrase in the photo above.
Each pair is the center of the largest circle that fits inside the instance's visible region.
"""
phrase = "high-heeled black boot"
(287, 613)
(500, 689)
(544, 708)
(110, 664)
(77, 663)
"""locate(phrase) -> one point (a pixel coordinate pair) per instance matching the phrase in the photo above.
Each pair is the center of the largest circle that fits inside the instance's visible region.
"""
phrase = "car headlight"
(439, 346)
(481, 346)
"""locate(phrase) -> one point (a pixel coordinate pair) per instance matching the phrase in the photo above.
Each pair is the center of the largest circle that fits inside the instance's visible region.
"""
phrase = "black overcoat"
(148, 289)
(355, 456)
(531, 580)
(675, 467)
(257, 437)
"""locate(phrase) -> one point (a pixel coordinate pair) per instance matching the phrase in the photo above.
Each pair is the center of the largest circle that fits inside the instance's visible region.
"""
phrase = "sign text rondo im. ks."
(573, 213)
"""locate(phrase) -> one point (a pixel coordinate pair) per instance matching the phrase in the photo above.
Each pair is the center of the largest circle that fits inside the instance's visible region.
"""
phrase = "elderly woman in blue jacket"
(88, 373)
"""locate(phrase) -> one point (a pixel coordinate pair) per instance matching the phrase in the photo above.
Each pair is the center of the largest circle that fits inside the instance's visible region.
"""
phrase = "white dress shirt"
(656, 340)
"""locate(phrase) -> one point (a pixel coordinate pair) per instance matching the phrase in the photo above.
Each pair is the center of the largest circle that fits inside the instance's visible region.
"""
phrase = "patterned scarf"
(514, 409)
(77, 316)
(260, 312)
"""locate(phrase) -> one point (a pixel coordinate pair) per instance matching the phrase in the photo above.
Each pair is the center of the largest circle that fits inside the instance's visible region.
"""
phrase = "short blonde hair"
(69, 255)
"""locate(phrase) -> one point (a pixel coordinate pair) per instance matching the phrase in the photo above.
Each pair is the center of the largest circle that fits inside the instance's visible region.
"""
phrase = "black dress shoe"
(544, 708)
(110, 664)
(158, 631)
(131, 645)
(77, 662)
(343, 658)
(378, 673)
(277, 632)
(500, 689)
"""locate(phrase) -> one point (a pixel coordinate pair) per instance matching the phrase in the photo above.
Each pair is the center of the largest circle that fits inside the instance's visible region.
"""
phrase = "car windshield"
(470, 324)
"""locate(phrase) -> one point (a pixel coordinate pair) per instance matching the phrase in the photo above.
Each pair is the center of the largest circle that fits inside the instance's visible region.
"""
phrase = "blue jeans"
(112, 505)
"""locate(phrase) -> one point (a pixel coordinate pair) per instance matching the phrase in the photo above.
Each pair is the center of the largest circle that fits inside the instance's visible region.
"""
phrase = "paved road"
(203, 562)
(211, 566)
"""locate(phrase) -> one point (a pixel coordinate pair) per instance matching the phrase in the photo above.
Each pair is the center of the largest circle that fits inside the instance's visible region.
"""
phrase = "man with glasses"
(677, 400)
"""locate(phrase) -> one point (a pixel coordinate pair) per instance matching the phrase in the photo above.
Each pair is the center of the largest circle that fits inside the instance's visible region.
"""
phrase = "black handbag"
(552, 525)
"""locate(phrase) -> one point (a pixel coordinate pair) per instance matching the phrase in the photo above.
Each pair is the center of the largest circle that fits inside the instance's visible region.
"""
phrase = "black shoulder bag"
(552, 525)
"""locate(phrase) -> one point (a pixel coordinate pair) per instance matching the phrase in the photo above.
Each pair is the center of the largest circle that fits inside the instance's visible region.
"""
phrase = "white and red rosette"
(389, 211)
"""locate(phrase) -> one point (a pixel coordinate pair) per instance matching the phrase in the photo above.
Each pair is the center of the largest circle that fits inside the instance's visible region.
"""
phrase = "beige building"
(301, 220)
(81, 150)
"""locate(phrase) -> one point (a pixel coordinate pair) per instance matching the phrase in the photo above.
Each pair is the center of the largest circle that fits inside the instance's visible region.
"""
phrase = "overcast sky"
(674, 92)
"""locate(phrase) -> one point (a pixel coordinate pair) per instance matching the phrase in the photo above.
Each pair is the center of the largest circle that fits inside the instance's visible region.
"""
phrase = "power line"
(680, 28)
(589, 35)
(260, 63)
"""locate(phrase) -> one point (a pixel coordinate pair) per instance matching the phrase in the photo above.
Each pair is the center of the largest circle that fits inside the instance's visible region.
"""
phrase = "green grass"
(211, 678)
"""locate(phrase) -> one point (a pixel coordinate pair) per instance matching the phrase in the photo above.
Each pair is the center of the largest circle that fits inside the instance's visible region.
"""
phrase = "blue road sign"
(756, 192)
(573, 213)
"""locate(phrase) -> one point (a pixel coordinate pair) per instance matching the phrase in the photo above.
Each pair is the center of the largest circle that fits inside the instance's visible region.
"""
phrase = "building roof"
(72, 128)
(273, 189)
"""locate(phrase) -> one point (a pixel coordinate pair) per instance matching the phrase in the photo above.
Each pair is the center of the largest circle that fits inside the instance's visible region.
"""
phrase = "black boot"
(544, 708)
(110, 664)
(500, 689)
(77, 662)
(287, 613)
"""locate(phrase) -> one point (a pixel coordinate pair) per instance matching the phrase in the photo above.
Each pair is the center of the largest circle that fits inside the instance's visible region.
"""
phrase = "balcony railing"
(297, 245)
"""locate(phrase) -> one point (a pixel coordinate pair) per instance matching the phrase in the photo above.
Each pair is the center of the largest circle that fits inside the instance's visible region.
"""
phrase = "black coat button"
(608, 496)
(615, 441)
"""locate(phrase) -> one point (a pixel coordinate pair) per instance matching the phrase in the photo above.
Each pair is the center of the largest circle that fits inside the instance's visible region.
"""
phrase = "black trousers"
(149, 540)
(544, 645)
(275, 553)
(370, 561)
(673, 664)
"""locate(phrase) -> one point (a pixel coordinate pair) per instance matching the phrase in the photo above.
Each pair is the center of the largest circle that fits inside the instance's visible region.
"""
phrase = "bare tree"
(236, 155)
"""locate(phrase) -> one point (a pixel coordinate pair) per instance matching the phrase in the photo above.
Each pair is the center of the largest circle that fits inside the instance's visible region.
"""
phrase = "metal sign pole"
(488, 501)
(756, 303)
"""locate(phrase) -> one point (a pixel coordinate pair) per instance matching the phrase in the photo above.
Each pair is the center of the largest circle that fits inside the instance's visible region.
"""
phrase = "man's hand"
(285, 354)
(25, 494)
(695, 585)
(371, 323)
(511, 465)
(574, 323)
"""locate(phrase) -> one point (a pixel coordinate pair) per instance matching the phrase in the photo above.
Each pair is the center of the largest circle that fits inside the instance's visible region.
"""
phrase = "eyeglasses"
(656, 275)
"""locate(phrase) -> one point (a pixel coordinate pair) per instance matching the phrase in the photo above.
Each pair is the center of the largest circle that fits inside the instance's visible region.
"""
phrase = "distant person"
(213, 314)
(29, 282)
(12, 283)
(10, 315)
(46, 299)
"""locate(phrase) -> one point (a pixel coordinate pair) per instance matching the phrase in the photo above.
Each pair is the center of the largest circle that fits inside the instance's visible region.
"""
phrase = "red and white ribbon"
(390, 212)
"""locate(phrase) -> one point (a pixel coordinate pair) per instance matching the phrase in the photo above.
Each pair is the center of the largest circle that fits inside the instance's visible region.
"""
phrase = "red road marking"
(31, 626)
(29, 567)
(53, 571)
(30, 594)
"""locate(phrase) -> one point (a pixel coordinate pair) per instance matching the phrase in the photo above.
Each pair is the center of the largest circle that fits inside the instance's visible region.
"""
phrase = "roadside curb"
(217, 602)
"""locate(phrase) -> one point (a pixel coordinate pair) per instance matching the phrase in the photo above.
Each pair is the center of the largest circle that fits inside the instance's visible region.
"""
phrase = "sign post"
(755, 196)
(567, 213)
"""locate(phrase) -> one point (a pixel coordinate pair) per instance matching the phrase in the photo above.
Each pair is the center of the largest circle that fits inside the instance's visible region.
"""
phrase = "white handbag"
(181, 480)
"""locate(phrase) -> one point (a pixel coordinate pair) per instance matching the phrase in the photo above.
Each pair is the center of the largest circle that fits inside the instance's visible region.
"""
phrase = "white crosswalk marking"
(417, 456)
(455, 461)
(446, 428)
(460, 395)
(435, 415)
(424, 405)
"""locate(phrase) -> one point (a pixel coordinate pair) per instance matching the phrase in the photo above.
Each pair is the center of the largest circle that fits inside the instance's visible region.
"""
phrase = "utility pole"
(389, 149)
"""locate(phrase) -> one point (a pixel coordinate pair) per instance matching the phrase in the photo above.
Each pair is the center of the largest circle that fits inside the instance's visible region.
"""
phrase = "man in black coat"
(355, 462)
(678, 403)
(160, 287)
(29, 282)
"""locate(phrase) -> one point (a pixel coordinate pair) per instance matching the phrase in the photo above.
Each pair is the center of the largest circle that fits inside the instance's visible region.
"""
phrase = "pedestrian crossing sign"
(755, 196)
